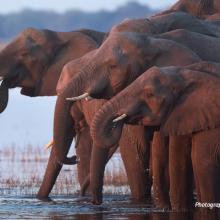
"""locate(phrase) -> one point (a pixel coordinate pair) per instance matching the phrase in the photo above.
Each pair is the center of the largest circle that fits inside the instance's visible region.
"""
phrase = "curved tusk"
(88, 98)
(119, 118)
(50, 144)
(1, 78)
(83, 96)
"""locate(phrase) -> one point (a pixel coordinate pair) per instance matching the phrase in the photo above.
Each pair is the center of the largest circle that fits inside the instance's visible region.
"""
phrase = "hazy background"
(30, 120)
(66, 5)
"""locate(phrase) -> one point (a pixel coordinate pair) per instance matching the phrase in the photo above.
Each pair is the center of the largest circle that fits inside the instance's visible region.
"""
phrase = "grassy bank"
(23, 169)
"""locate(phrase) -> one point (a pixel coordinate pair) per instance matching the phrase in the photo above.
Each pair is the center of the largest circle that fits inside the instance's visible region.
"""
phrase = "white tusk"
(50, 144)
(83, 96)
(1, 78)
(120, 118)
(88, 98)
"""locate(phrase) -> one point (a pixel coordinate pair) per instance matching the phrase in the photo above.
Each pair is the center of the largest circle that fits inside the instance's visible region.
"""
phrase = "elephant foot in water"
(44, 199)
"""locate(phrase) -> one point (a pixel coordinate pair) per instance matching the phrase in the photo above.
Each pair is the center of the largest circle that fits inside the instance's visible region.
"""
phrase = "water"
(21, 175)
(115, 207)
(65, 206)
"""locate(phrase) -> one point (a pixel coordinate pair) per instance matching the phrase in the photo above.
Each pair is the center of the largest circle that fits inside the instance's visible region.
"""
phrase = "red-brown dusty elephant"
(33, 61)
(36, 57)
(182, 102)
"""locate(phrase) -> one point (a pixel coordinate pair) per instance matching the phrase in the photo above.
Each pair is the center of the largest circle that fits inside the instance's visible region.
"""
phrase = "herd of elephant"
(149, 85)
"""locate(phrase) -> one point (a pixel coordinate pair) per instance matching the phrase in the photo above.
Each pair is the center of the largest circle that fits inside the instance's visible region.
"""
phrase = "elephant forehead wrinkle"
(118, 51)
(205, 5)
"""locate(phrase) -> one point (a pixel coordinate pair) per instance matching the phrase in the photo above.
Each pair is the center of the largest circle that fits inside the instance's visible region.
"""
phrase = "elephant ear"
(3, 97)
(197, 109)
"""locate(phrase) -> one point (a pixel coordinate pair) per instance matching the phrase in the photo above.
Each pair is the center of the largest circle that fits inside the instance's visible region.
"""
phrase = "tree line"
(12, 24)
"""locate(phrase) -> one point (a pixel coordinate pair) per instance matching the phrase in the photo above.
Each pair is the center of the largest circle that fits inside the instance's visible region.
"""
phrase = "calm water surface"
(64, 207)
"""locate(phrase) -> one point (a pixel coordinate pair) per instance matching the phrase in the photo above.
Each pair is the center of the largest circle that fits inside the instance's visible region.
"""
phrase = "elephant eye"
(113, 66)
(114, 125)
(23, 53)
(149, 94)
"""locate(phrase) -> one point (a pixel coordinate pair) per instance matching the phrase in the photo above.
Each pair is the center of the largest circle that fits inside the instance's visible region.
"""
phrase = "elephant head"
(179, 100)
(199, 8)
(33, 61)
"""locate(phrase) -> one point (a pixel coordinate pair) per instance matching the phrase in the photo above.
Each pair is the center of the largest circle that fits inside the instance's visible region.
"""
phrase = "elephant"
(179, 102)
(33, 61)
(36, 57)
(85, 110)
(199, 8)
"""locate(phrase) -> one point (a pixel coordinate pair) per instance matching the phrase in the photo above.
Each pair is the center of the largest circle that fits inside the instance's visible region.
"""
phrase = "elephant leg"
(180, 172)
(135, 153)
(83, 151)
(52, 171)
(206, 164)
(99, 158)
(160, 160)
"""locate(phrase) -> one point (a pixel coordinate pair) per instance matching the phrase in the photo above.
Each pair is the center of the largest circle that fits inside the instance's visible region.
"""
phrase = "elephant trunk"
(63, 121)
(99, 159)
(8, 80)
(4, 93)
(104, 131)
(4, 89)
(97, 164)
(50, 176)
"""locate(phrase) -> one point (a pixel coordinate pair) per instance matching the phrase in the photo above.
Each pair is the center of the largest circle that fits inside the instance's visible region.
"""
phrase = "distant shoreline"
(13, 23)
